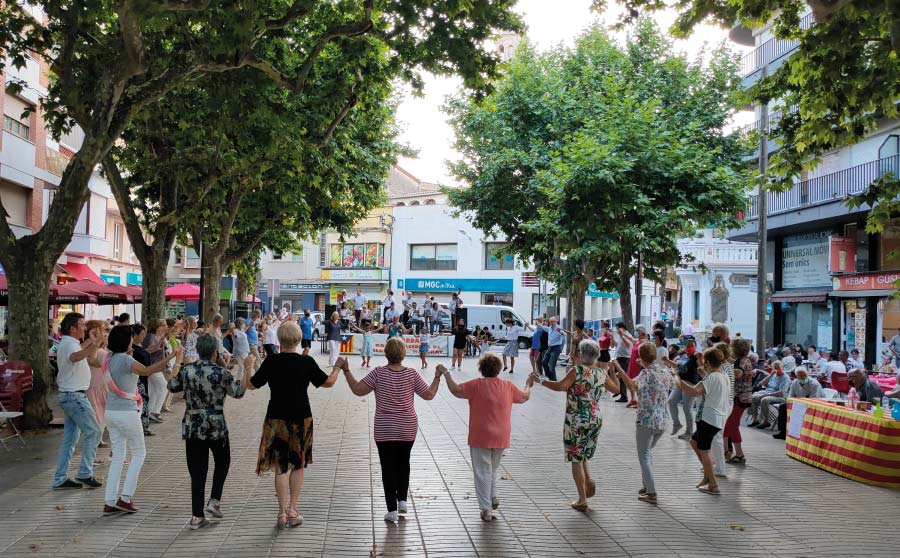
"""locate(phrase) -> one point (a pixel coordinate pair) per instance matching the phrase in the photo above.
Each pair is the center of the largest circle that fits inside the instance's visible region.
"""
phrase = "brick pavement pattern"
(774, 506)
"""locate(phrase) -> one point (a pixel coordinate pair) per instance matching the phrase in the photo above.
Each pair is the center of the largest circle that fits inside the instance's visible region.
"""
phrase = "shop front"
(870, 317)
(801, 309)
(295, 295)
(370, 282)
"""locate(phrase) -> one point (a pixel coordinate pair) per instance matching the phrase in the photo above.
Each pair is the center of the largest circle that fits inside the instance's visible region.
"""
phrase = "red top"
(490, 406)
(605, 341)
(395, 411)
(634, 366)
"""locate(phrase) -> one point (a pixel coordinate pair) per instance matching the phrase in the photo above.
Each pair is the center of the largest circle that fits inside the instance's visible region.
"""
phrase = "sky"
(549, 23)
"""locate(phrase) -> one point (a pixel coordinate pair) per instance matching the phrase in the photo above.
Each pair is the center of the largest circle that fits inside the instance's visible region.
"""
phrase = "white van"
(494, 319)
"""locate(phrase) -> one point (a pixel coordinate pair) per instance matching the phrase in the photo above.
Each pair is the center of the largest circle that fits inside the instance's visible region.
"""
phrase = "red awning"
(83, 271)
(61, 294)
(106, 294)
(184, 291)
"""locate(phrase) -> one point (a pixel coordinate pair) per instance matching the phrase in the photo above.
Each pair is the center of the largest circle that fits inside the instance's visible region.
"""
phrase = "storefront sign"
(437, 346)
(882, 280)
(860, 331)
(593, 292)
(453, 285)
(843, 254)
(114, 279)
(350, 275)
(804, 261)
(302, 287)
(134, 279)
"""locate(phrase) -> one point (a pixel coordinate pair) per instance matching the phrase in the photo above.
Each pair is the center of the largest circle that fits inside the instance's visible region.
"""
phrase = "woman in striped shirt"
(396, 423)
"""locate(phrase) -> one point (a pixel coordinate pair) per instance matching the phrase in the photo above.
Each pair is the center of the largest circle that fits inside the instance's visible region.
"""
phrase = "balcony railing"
(718, 254)
(826, 188)
(771, 50)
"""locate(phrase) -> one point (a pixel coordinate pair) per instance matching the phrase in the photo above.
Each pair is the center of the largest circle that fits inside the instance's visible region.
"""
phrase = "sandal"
(282, 521)
(295, 519)
(591, 489)
(642, 492)
(580, 507)
(738, 460)
(703, 482)
(649, 498)
(710, 490)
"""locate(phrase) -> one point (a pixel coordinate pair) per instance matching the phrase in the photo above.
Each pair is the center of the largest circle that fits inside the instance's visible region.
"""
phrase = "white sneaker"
(214, 509)
(486, 515)
(401, 506)
(393, 517)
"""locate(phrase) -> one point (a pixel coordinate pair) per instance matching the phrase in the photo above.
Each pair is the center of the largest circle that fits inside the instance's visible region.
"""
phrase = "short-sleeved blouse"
(395, 411)
(654, 384)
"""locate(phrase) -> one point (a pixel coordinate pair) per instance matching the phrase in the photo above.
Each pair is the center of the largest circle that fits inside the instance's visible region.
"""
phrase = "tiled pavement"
(774, 506)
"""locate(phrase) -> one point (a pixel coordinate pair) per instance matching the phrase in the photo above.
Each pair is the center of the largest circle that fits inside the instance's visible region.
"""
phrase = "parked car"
(493, 318)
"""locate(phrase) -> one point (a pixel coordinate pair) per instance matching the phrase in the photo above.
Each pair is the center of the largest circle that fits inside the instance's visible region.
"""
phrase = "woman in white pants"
(490, 407)
(333, 334)
(123, 418)
(155, 344)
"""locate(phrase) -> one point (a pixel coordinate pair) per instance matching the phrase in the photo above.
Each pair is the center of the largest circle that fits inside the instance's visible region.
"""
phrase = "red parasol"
(183, 291)
(63, 294)
(106, 294)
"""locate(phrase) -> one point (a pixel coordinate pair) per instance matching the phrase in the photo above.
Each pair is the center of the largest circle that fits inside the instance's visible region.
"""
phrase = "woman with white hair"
(584, 385)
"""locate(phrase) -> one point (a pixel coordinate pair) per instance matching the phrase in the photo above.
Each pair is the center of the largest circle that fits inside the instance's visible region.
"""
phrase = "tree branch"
(132, 40)
(122, 194)
(343, 112)
(7, 238)
(299, 8)
(184, 5)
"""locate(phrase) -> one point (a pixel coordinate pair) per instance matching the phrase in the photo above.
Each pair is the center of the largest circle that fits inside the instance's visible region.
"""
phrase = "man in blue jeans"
(555, 340)
(74, 379)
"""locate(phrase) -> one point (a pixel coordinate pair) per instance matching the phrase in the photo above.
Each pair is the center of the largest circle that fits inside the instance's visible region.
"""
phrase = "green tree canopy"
(585, 158)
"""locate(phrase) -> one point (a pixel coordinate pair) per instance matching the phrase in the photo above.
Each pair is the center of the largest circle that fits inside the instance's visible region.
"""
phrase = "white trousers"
(238, 367)
(486, 467)
(156, 385)
(125, 432)
(718, 447)
(334, 351)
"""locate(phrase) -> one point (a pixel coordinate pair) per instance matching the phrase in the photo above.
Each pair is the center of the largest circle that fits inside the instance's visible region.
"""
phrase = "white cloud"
(549, 24)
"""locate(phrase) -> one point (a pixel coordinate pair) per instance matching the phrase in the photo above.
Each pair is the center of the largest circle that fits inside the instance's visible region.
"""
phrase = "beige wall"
(15, 201)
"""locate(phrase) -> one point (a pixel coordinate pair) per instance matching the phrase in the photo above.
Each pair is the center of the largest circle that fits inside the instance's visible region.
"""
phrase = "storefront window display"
(807, 324)
(357, 255)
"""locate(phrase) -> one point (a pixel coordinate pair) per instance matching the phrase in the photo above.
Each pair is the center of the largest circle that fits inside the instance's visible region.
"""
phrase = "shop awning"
(800, 296)
(183, 291)
(861, 294)
(82, 271)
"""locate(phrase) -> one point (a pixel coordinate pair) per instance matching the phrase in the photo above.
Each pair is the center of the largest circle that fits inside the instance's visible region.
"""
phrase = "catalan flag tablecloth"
(852, 444)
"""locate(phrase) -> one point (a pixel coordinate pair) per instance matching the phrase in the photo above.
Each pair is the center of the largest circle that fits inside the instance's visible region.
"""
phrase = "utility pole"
(638, 289)
(762, 236)
(202, 273)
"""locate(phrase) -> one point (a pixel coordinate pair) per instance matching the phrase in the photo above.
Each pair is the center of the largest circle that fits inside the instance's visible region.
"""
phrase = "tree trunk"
(243, 288)
(211, 288)
(577, 291)
(624, 290)
(28, 308)
(154, 288)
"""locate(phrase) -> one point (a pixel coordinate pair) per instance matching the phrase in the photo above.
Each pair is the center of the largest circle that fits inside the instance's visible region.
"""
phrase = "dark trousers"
(145, 402)
(548, 363)
(394, 457)
(197, 452)
(623, 391)
(782, 418)
(270, 349)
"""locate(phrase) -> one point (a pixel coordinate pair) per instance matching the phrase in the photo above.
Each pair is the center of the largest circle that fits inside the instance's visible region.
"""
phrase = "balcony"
(828, 188)
(771, 50)
(717, 254)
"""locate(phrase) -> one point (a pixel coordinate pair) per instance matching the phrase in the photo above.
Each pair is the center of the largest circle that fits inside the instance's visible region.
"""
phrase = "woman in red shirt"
(634, 366)
(490, 406)
(396, 423)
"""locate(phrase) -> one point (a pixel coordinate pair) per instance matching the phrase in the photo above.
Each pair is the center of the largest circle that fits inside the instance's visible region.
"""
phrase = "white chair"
(830, 393)
(6, 419)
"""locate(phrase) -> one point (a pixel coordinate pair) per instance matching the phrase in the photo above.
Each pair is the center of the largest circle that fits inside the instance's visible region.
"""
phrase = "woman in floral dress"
(584, 384)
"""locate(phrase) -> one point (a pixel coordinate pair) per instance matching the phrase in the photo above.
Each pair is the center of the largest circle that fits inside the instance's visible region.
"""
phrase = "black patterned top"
(205, 386)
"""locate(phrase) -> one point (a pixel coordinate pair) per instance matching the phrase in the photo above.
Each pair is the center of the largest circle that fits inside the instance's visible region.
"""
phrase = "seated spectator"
(866, 388)
(775, 387)
(788, 363)
(833, 365)
(803, 387)
(887, 365)
(854, 360)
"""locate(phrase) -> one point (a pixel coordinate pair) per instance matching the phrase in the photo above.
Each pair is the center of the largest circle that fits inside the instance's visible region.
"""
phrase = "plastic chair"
(830, 393)
(6, 419)
(840, 382)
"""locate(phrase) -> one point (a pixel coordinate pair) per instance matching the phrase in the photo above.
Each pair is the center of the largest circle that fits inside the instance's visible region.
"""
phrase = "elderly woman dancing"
(396, 423)
(287, 437)
(490, 408)
(584, 384)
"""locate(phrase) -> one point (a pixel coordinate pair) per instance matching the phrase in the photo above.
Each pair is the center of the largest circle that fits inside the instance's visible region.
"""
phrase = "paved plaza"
(774, 506)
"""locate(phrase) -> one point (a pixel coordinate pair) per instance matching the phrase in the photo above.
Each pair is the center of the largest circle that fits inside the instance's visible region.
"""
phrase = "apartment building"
(830, 281)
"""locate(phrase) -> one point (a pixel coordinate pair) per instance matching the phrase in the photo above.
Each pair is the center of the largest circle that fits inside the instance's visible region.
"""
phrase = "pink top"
(605, 341)
(395, 412)
(490, 406)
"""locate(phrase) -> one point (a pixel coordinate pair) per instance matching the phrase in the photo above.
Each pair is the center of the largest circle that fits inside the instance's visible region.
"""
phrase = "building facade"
(830, 281)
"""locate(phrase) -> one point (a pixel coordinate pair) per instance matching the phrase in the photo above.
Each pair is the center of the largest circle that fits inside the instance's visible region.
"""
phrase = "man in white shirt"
(688, 329)
(788, 361)
(241, 348)
(833, 365)
(73, 379)
(359, 301)
(385, 304)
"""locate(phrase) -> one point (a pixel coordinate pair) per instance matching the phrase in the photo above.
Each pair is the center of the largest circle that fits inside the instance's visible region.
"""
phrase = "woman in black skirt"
(287, 436)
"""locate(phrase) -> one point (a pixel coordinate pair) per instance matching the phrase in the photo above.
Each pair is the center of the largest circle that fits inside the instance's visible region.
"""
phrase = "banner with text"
(804, 261)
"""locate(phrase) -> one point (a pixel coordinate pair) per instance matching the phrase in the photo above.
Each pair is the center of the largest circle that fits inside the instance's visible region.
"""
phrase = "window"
(16, 127)
(414, 203)
(117, 241)
(498, 299)
(695, 307)
(530, 279)
(178, 255)
(493, 260)
(401, 204)
(429, 202)
(191, 258)
(277, 255)
(357, 255)
(323, 250)
(432, 256)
